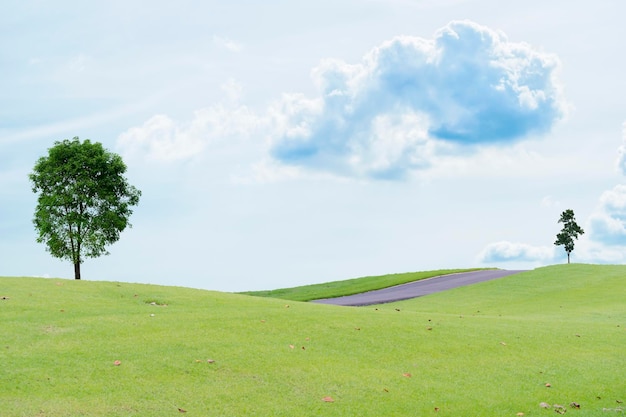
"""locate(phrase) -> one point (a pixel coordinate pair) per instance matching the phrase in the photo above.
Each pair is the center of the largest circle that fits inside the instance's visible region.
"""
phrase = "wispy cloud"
(69, 127)
(232, 90)
(163, 139)
(410, 99)
(550, 202)
(621, 159)
(226, 43)
(78, 63)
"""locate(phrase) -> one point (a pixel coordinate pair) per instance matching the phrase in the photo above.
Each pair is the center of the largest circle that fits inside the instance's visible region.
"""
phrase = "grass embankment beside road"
(351, 286)
(484, 350)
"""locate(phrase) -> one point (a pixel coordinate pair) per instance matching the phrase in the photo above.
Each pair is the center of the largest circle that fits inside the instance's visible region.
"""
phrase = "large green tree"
(84, 201)
(570, 231)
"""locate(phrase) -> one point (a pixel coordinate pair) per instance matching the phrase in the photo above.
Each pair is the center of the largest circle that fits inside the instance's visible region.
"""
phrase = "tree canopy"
(84, 201)
(570, 231)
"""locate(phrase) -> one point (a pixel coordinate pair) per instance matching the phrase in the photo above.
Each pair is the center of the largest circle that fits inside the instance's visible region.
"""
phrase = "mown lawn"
(483, 350)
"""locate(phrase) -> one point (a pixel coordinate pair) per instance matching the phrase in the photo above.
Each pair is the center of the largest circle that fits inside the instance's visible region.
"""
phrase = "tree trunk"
(76, 255)
(567, 257)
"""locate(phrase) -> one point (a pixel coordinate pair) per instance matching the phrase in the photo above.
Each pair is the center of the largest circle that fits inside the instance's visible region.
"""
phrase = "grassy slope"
(351, 286)
(482, 350)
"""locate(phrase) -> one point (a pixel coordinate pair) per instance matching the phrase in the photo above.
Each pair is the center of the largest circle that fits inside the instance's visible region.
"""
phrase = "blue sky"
(286, 143)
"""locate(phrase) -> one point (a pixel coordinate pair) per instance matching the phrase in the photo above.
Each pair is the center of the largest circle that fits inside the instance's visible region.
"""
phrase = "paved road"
(417, 288)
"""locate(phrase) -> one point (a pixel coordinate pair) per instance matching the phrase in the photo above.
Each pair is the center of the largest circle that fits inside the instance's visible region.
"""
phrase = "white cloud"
(608, 224)
(605, 238)
(232, 90)
(505, 251)
(162, 139)
(78, 63)
(228, 44)
(467, 86)
(603, 242)
(593, 252)
(409, 105)
(158, 139)
(267, 171)
(621, 160)
(550, 202)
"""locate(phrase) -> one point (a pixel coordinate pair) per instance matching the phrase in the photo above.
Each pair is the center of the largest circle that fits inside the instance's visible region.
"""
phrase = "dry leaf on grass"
(328, 400)
(117, 363)
(406, 374)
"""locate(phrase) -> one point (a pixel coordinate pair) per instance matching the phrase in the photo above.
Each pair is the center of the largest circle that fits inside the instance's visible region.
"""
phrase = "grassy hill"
(483, 350)
(351, 286)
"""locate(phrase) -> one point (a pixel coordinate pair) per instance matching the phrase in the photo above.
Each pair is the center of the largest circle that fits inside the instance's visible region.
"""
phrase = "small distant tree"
(570, 231)
(84, 201)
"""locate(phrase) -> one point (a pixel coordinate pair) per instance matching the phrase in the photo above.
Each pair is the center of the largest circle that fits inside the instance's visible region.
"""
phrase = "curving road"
(417, 288)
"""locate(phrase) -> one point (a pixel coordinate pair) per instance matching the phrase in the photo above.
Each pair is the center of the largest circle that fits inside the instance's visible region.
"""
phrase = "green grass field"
(483, 350)
(351, 286)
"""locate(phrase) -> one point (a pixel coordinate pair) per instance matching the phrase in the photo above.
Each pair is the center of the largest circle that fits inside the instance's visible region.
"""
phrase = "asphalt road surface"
(417, 288)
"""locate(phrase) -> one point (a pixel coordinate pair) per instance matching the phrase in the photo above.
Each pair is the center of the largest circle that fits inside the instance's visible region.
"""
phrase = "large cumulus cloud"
(411, 99)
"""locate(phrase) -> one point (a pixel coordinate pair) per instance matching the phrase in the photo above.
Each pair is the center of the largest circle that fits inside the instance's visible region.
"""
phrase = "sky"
(286, 143)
